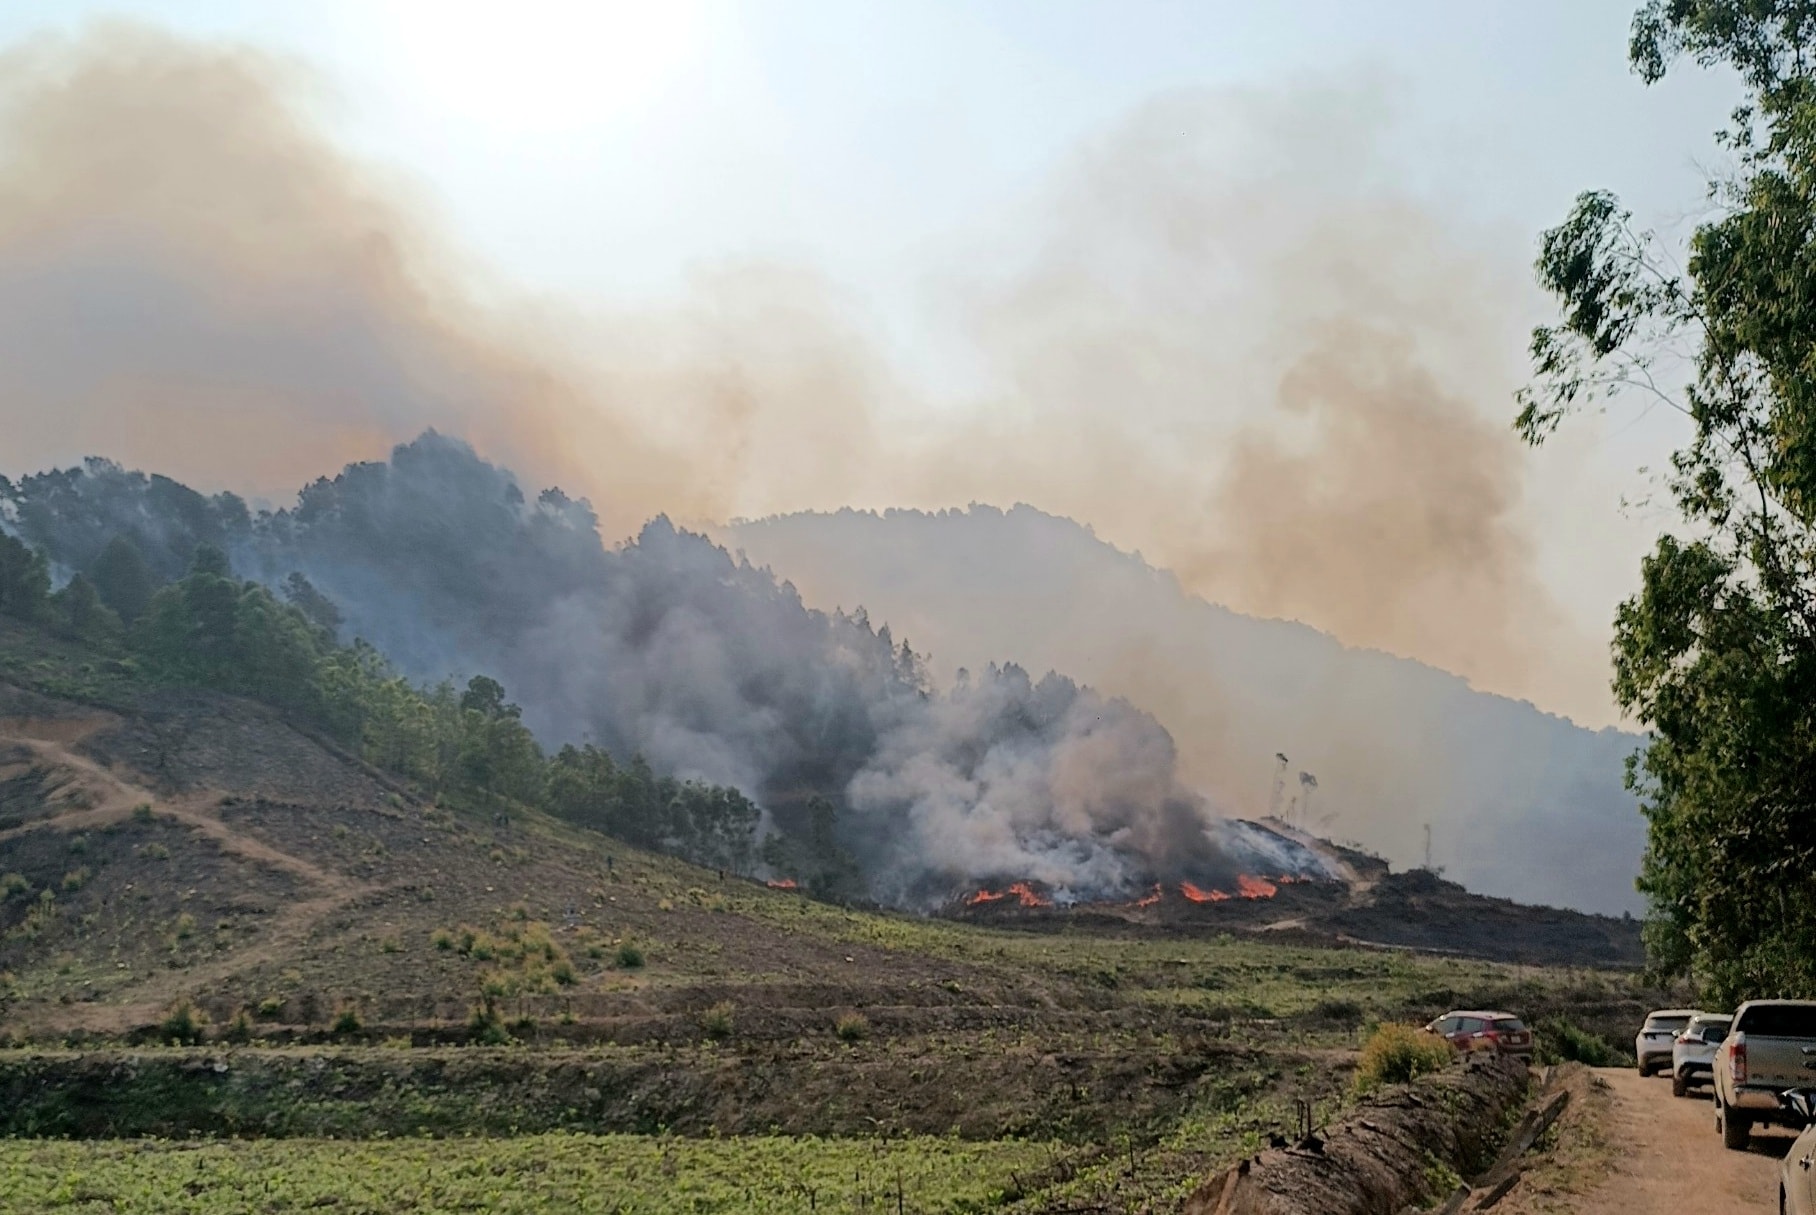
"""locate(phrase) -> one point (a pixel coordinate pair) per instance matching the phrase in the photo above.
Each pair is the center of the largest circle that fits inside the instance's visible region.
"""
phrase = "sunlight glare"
(531, 66)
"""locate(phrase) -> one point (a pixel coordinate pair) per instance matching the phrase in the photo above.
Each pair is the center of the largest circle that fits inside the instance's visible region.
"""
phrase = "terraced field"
(389, 1004)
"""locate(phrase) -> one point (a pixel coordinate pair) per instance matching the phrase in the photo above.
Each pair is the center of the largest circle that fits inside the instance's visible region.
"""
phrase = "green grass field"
(533, 1175)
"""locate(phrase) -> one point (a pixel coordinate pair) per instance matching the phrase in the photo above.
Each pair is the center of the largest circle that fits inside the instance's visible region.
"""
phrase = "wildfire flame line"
(783, 884)
(1248, 886)
(1023, 893)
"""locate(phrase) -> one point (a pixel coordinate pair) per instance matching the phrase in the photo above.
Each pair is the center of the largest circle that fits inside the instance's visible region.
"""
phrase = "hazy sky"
(602, 153)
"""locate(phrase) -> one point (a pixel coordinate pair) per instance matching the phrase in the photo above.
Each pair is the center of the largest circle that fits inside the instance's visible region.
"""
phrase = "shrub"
(629, 956)
(141, 813)
(486, 1027)
(271, 1008)
(852, 1027)
(564, 973)
(13, 883)
(185, 926)
(238, 1030)
(182, 1024)
(716, 1022)
(442, 939)
(1343, 1012)
(154, 851)
(1398, 1053)
(1561, 1041)
(75, 879)
(346, 1021)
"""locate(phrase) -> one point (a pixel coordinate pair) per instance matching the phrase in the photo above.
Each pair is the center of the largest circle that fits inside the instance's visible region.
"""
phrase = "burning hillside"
(1337, 896)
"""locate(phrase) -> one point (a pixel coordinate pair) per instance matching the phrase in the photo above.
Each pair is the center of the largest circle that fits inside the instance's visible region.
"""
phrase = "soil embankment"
(1393, 1151)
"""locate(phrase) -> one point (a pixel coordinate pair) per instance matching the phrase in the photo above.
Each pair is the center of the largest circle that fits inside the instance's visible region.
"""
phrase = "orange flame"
(1200, 895)
(783, 884)
(984, 896)
(1255, 888)
(1150, 898)
(1029, 896)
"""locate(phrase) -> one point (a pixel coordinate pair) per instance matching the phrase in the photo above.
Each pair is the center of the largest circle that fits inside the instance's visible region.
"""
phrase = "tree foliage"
(1716, 653)
(123, 580)
(467, 745)
(24, 580)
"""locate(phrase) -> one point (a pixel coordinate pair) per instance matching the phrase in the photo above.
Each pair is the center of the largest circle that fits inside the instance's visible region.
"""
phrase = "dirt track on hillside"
(1667, 1157)
(105, 796)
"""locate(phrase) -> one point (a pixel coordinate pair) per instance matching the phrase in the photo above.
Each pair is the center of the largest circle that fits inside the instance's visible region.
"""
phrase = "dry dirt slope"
(192, 847)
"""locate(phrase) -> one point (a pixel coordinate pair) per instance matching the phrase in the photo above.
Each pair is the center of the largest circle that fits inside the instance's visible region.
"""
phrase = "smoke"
(711, 669)
(1217, 335)
(194, 278)
(1395, 745)
(1181, 341)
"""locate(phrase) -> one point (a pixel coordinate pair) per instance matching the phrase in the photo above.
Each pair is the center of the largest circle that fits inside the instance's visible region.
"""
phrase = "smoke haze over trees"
(1394, 745)
(664, 651)
(1218, 291)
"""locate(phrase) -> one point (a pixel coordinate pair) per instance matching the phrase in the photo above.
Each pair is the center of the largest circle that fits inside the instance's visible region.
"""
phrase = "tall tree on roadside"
(1716, 653)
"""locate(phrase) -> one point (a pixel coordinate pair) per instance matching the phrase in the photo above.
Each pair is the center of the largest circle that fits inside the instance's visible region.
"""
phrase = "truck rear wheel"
(1736, 1129)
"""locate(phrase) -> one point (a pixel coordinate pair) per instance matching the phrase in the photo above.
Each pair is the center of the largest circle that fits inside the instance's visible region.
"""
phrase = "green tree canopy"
(123, 580)
(80, 612)
(24, 580)
(1716, 654)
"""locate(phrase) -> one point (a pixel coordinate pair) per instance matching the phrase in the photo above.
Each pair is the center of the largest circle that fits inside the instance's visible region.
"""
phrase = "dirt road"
(1668, 1158)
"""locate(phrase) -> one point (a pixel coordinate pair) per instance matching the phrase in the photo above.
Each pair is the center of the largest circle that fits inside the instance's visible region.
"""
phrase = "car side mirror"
(1802, 1102)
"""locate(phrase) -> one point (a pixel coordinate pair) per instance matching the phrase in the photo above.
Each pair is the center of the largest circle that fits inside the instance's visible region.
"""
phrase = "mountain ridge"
(1408, 742)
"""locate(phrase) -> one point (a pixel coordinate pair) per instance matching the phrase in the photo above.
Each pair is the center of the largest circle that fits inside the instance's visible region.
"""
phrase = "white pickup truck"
(1771, 1047)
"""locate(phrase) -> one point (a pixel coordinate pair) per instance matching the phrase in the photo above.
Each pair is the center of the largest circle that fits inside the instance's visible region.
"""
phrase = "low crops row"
(529, 1175)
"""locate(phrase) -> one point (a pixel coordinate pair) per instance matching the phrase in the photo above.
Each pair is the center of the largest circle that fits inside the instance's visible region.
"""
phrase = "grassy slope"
(271, 875)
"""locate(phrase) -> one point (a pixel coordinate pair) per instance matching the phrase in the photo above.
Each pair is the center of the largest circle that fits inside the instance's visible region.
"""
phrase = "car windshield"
(1780, 1021)
(1713, 1026)
(1511, 1025)
(1671, 1023)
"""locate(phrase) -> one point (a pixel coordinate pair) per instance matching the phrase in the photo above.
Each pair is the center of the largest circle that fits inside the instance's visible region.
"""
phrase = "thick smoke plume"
(1395, 745)
(1217, 337)
(709, 668)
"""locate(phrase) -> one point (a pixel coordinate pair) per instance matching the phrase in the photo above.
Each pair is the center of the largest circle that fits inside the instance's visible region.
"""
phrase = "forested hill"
(1394, 744)
(664, 658)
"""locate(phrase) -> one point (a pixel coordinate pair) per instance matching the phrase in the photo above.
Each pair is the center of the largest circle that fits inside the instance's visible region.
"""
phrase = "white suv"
(1693, 1057)
(1652, 1046)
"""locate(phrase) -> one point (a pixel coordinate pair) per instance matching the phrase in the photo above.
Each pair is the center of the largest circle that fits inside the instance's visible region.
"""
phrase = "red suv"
(1478, 1030)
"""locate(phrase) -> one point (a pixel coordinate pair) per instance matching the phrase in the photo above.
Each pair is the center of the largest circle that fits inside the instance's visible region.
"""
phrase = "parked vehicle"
(1797, 1175)
(1770, 1048)
(1693, 1054)
(1475, 1029)
(1652, 1046)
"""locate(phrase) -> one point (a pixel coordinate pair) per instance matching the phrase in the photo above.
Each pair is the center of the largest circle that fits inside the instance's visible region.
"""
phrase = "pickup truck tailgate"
(1780, 1043)
(1787, 1062)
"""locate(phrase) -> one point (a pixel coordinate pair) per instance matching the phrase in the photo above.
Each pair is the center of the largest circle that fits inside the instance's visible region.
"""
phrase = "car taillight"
(1737, 1061)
